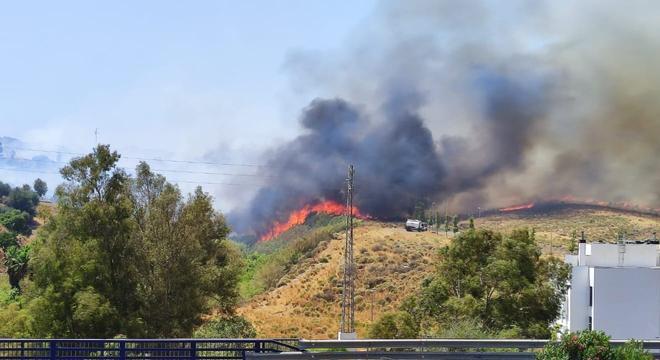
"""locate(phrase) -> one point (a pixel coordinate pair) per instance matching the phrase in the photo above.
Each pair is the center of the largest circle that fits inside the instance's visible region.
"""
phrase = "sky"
(167, 79)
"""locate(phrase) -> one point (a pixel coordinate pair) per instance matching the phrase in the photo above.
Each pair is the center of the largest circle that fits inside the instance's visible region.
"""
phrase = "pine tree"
(446, 224)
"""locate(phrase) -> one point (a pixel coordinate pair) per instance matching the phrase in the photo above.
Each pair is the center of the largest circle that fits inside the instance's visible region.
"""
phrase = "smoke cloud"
(475, 104)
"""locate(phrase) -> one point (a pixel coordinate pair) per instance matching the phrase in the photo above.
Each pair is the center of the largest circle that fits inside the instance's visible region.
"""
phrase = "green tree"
(16, 259)
(500, 282)
(23, 199)
(40, 187)
(85, 255)
(15, 256)
(128, 256)
(5, 189)
(398, 325)
(447, 219)
(471, 223)
(572, 245)
(201, 267)
(455, 224)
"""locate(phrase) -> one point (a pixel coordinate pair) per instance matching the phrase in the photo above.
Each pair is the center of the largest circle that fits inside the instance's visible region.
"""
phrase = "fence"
(71, 349)
(276, 348)
(425, 349)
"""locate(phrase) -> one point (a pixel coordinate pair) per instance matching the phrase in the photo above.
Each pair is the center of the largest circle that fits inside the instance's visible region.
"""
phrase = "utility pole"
(96, 136)
(446, 220)
(347, 326)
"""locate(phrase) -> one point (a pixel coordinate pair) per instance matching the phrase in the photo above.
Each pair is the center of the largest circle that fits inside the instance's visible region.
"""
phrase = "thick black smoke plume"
(475, 104)
(398, 163)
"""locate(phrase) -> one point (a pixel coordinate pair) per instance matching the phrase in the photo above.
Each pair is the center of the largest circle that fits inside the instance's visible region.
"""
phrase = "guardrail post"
(53, 349)
(122, 350)
(193, 350)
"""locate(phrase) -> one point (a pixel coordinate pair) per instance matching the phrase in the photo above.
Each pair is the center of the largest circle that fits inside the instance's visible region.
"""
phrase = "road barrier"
(193, 349)
(122, 349)
(424, 349)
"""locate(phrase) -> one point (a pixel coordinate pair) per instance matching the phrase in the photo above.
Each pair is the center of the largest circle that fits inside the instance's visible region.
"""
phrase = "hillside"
(392, 262)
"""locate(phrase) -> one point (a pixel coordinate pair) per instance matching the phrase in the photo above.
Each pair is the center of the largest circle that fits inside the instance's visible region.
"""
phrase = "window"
(591, 296)
(591, 325)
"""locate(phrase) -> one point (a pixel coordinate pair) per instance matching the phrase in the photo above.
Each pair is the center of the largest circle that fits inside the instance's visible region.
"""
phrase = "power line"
(169, 180)
(32, 171)
(142, 158)
(158, 170)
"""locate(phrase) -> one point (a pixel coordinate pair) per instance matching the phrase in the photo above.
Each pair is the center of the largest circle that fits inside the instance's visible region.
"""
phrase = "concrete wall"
(578, 303)
(608, 255)
(626, 302)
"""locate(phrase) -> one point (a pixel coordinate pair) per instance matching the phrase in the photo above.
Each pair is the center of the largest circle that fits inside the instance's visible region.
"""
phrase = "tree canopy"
(127, 256)
(501, 283)
(40, 187)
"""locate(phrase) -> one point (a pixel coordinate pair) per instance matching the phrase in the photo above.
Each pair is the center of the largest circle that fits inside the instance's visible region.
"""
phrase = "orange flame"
(299, 216)
(622, 205)
(517, 207)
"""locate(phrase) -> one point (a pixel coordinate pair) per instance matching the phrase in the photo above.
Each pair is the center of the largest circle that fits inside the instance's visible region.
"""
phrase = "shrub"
(553, 351)
(16, 221)
(7, 240)
(231, 327)
(591, 345)
(399, 325)
(632, 350)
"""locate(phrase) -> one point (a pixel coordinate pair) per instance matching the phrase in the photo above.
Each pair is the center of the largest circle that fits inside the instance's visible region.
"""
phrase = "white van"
(416, 225)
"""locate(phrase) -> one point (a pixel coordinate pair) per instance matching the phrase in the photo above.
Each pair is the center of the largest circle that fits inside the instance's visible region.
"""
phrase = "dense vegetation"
(592, 345)
(123, 255)
(268, 263)
(17, 209)
(485, 284)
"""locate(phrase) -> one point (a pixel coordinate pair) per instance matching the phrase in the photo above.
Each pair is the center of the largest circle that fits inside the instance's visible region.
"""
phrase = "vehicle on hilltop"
(416, 225)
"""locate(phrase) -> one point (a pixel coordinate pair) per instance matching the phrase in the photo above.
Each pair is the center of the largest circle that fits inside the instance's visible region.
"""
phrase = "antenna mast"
(347, 330)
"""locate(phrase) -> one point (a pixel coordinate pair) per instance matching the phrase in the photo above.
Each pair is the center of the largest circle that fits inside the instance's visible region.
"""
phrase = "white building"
(615, 288)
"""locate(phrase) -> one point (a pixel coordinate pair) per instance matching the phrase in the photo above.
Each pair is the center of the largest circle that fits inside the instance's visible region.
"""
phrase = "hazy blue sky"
(178, 76)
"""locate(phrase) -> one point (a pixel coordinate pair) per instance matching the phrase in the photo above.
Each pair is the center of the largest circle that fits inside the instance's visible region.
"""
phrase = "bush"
(399, 325)
(591, 345)
(632, 350)
(232, 327)
(16, 221)
(553, 351)
(7, 240)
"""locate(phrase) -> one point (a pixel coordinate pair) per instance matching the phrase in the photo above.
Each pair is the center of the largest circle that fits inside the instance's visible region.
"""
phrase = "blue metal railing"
(139, 348)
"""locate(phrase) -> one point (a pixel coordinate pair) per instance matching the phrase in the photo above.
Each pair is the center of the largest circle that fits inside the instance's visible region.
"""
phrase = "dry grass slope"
(392, 262)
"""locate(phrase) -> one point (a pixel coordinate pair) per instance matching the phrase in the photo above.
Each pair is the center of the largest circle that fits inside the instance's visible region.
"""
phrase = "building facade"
(614, 288)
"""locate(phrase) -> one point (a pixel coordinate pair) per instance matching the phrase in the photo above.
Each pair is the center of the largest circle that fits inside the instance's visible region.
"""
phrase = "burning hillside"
(460, 114)
(299, 216)
(572, 201)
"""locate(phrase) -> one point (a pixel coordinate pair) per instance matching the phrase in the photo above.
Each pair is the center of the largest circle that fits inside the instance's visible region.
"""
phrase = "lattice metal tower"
(348, 295)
